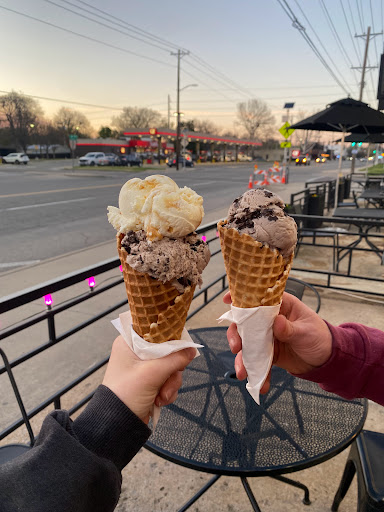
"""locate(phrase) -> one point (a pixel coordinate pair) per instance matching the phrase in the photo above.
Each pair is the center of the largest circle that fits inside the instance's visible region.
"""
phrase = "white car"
(16, 158)
(93, 159)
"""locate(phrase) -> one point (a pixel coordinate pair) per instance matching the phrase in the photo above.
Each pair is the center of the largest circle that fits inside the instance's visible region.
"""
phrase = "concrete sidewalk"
(151, 484)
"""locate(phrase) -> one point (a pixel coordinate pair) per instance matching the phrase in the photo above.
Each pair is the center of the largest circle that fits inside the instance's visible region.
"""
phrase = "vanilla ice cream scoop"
(157, 206)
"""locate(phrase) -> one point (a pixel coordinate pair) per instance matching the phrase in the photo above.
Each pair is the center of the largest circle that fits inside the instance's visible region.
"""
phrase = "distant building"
(51, 151)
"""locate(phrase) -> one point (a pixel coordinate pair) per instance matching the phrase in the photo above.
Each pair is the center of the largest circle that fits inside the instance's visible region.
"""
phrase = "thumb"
(175, 362)
(284, 330)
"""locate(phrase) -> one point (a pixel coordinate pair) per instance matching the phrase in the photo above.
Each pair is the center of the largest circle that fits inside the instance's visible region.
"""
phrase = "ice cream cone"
(257, 274)
(158, 310)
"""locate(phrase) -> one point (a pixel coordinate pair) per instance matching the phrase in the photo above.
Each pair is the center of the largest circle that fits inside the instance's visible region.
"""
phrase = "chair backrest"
(297, 287)
(16, 392)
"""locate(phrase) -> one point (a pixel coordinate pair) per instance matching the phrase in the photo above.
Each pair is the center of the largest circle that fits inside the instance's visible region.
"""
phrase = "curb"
(56, 258)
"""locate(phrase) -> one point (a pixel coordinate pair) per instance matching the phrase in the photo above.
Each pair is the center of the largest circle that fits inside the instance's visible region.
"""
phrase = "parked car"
(183, 161)
(303, 160)
(92, 159)
(132, 160)
(244, 158)
(16, 158)
(111, 158)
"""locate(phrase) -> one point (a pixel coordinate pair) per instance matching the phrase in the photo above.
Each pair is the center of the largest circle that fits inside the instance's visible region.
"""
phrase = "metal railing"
(205, 295)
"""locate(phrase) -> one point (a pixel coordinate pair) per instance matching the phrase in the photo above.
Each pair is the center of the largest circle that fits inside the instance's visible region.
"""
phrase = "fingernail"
(159, 404)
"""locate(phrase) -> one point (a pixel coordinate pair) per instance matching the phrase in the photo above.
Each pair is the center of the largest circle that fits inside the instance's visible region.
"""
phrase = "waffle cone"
(257, 274)
(158, 310)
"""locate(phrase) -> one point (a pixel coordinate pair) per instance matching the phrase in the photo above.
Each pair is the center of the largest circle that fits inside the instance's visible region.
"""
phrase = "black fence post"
(51, 325)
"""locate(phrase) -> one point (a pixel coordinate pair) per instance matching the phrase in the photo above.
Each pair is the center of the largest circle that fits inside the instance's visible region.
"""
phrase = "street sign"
(285, 144)
(73, 137)
(286, 131)
(72, 144)
(295, 153)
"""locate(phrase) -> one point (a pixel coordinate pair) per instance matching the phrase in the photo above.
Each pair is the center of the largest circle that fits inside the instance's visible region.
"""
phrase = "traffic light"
(353, 144)
(374, 151)
(360, 143)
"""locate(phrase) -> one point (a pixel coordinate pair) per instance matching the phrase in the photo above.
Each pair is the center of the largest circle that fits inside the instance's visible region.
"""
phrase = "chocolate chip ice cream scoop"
(260, 214)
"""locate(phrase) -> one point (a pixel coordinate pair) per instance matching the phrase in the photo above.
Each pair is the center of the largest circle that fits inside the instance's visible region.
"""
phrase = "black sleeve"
(75, 466)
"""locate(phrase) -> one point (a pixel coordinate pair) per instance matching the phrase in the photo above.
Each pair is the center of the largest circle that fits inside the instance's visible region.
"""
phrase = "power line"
(318, 38)
(101, 23)
(66, 101)
(335, 34)
(87, 37)
(214, 70)
(360, 18)
(296, 24)
(209, 75)
(135, 29)
(353, 20)
(200, 61)
(284, 87)
(350, 32)
(362, 12)
(382, 21)
(373, 28)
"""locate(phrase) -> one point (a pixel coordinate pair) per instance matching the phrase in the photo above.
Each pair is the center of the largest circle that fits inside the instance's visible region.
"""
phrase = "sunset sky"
(238, 50)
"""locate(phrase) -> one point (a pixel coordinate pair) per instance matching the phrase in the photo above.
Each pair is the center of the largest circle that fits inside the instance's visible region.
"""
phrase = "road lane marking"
(18, 263)
(46, 204)
(61, 190)
(203, 183)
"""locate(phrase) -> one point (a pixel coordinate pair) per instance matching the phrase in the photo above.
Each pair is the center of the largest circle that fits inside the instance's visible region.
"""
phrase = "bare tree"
(256, 118)
(206, 126)
(21, 114)
(71, 122)
(139, 118)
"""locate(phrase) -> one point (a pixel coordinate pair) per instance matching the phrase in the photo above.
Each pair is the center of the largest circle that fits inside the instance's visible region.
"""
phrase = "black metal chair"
(366, 458)
(297, 287)
(353, 204)
(320, 232)
(11, 451)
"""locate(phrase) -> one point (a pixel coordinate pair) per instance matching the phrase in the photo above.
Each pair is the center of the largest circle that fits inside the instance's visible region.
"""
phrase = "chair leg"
(349, 473)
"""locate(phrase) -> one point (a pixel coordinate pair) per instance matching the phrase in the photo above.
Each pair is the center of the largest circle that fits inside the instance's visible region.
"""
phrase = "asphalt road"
(46, 209)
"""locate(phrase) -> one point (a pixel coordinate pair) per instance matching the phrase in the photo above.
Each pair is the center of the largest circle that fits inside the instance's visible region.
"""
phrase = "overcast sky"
(238, 50)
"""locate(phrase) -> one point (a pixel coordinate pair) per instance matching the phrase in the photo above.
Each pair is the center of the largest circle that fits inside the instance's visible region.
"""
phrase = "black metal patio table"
(216, 427)
(374, 196)
(361, 214)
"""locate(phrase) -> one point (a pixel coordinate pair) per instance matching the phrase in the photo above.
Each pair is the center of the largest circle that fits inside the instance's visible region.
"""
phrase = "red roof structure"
(191, 136)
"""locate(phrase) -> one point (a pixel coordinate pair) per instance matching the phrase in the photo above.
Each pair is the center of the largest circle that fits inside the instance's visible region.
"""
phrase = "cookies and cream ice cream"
(180, 260)
(157, 206)
(260, 214)
(257, 241)
(162, 257)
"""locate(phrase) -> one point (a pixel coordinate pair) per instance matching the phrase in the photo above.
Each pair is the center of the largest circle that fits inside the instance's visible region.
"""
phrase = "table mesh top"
(215, 425)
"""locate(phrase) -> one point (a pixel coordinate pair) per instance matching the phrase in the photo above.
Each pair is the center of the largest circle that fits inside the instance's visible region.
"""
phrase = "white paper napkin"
(254, 326)
(146, 350)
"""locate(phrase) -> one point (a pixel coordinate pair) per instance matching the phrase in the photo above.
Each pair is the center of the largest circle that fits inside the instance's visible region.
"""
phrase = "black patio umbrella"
(373, 138)
(345, 116)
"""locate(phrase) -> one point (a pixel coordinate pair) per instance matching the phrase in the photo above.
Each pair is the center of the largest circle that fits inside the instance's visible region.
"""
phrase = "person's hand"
(140, 384)
(302, 339)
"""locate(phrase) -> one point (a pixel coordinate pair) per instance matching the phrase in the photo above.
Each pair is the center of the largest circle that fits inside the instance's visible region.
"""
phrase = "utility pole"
(179, 54)
(169, 112)
(363, 68)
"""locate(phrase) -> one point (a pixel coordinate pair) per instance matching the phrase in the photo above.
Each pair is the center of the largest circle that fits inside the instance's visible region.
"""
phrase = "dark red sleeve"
(356, 366)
